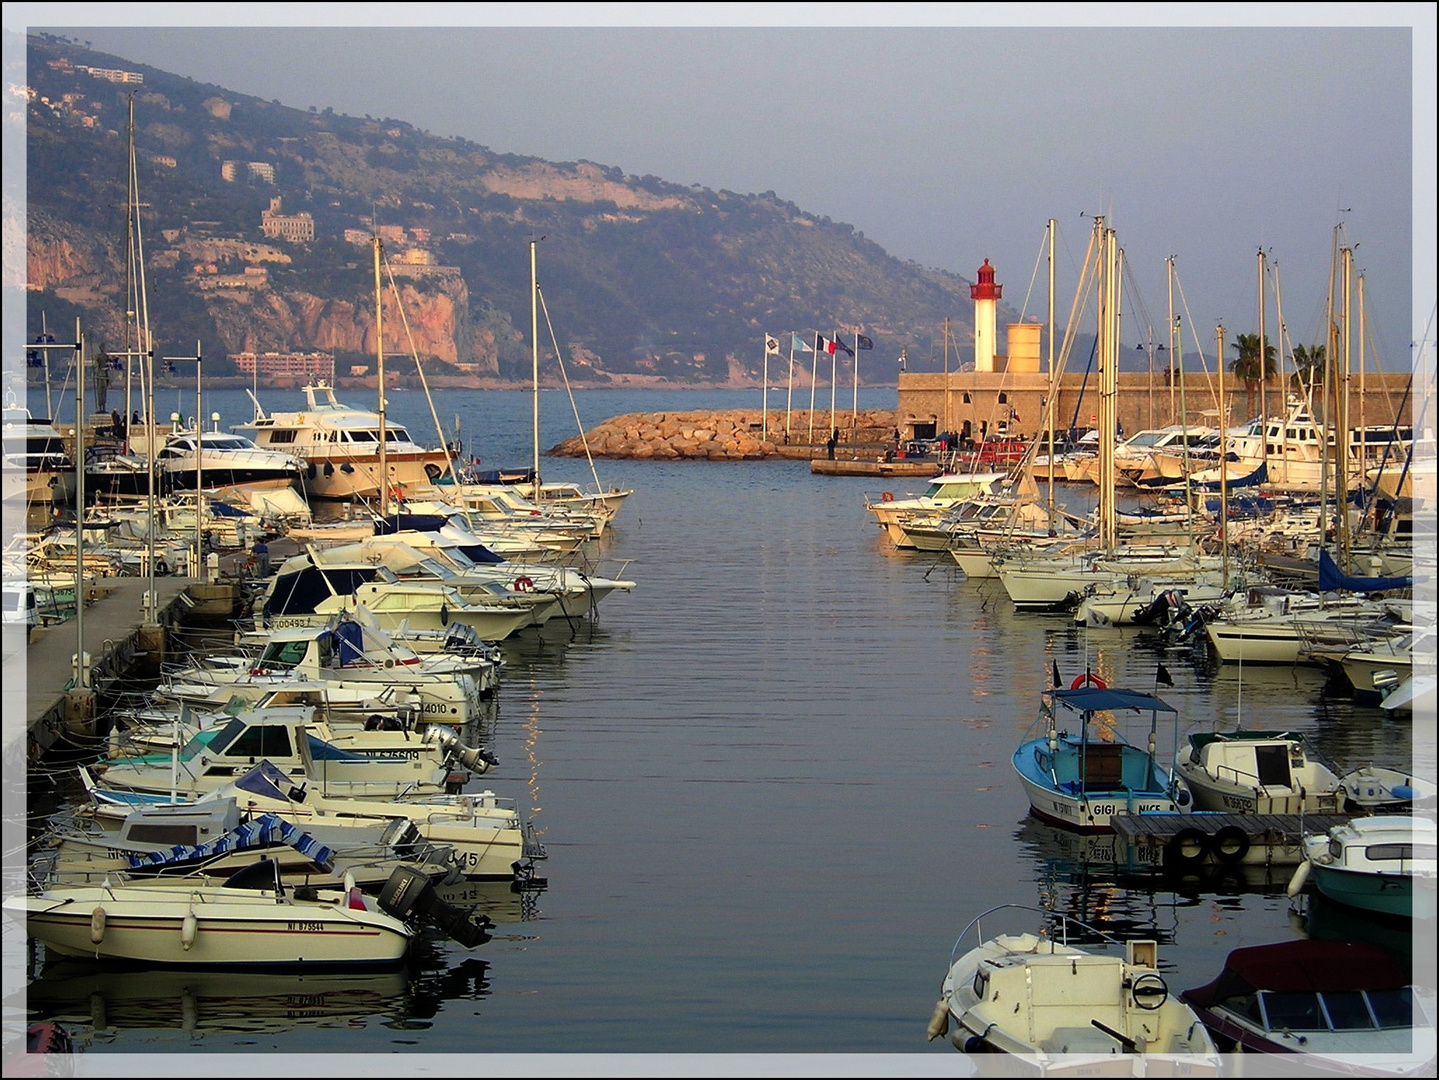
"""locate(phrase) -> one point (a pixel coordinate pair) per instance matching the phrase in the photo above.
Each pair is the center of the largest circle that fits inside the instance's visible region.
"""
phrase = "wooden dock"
(1200, 841)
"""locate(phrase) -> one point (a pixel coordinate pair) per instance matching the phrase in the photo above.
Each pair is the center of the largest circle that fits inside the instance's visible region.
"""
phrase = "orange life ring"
(888, 496)
(524, 584)
(1092, 680)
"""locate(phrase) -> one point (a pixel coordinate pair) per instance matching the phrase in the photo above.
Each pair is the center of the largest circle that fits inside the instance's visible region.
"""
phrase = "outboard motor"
(475, 758)
(409, 896)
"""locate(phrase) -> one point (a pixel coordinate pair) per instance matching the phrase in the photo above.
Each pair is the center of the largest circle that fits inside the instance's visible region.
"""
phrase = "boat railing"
(1064, 926)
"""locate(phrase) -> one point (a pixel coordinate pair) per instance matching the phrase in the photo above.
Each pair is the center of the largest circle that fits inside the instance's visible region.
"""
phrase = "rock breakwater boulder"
(726, 435)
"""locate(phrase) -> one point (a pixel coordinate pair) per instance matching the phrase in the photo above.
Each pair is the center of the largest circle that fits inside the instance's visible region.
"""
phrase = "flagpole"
(789, 397)
(854, 409)
(764, 398)
(813, 381)
(833, 378)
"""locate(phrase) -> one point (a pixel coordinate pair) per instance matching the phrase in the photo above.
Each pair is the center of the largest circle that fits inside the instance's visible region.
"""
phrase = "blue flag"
(798, 345)
(864, 342)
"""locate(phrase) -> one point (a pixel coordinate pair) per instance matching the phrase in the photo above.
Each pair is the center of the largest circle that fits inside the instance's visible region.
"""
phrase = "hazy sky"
(944, 141)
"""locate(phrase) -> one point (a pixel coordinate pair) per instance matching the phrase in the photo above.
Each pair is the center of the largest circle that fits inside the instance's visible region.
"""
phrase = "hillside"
(642, 279)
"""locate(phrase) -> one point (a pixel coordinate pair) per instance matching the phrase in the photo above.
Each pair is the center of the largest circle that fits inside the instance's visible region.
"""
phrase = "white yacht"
(341, 448)
(226, 461)
(36, 460)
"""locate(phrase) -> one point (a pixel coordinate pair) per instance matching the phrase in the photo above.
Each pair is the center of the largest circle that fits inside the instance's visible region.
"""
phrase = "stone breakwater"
(729, 434)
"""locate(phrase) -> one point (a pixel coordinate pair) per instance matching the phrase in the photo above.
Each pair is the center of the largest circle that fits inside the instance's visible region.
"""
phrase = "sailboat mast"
(1223, 462)
(535, 358)
(1053, 382)
(1341, 422)
(380, 371)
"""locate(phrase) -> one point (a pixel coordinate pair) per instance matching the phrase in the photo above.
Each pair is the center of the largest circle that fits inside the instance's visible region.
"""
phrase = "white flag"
(771, 344)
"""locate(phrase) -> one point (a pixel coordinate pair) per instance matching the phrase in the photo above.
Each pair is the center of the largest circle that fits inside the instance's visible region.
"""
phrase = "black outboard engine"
(409, 896)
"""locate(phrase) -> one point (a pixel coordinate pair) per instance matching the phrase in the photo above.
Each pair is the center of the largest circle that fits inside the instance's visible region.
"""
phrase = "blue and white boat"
(1087, 778)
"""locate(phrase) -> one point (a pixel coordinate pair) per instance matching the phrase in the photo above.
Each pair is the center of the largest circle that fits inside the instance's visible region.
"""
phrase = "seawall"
(730, 434)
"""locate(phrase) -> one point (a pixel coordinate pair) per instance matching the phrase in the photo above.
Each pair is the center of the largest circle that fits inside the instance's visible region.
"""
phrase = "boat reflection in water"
(91, 999)
(1070, 858)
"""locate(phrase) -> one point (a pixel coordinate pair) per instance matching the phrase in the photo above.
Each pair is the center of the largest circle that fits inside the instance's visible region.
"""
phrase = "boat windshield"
(1331, 1010)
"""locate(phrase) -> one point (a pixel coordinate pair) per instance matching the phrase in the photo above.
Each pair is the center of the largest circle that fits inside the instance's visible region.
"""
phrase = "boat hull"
(150, 926)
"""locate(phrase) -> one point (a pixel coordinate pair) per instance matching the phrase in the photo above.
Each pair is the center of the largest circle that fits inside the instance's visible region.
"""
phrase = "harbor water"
(774, 784)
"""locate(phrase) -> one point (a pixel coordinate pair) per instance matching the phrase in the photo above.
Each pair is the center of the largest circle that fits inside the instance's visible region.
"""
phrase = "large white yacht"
(340, 447)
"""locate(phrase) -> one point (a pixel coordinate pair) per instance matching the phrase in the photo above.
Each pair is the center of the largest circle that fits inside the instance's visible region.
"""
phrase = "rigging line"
(1034, 276)
(568, 389)
(1199, 348)
(419, 368)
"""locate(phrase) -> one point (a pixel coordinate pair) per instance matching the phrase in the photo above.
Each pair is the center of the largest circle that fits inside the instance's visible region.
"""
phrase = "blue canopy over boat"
(1103, 699)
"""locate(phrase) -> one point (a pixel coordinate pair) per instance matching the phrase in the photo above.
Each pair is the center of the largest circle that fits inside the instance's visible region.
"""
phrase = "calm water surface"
(774, 784)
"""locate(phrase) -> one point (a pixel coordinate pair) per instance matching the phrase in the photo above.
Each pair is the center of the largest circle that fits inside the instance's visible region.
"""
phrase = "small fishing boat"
(1375, 789)
(1068, 1011)
(1257, 772)
(1339, 1008)
(1383, 865)
(1086, 780)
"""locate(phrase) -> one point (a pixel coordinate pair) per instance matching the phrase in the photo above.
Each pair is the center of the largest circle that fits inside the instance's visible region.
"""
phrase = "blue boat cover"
(1331, 579)
(1103, 699)
(265, 831)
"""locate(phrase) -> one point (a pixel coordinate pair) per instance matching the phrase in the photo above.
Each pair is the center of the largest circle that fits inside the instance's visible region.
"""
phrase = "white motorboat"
(310, 590)
(372, 764)
(235, 924)
(225, 461)
(1068, 1011)
(35, 458)
(1382, 865)
(348, 655)
(211, 840)
(943, 492)
(251, 920)
(488, 836)
(1257, 772)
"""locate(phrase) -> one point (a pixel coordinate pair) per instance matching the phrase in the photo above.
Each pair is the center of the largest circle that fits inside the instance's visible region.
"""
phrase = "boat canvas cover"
(1102, 699)
(1300, 967)
(397, 523)
(1331, 579)
(264, 831)
(298, 593)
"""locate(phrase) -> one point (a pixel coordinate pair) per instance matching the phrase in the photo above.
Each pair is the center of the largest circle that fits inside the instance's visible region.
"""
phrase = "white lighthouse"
(984, 293)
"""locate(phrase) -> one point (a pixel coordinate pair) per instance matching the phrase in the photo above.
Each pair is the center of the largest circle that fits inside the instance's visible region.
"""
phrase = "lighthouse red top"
(986, 289)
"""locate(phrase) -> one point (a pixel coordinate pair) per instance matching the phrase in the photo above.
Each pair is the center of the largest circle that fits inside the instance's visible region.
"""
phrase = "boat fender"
(1297, 882)
(1091, 680)
(189, 927)
(97, 926)
(1187, 847)
(939, 1022)
(524, 584)
(1230, 844)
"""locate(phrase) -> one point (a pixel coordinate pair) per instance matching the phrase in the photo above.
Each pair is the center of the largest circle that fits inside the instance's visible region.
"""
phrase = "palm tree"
(1309, 365)
(1247, 366)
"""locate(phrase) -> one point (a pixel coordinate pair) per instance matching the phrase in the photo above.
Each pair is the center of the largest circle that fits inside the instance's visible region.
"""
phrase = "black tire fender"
(1230, 844)
(1187, 847)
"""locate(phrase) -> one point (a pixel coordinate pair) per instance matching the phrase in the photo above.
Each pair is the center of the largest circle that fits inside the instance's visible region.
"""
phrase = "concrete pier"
(39, 666)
